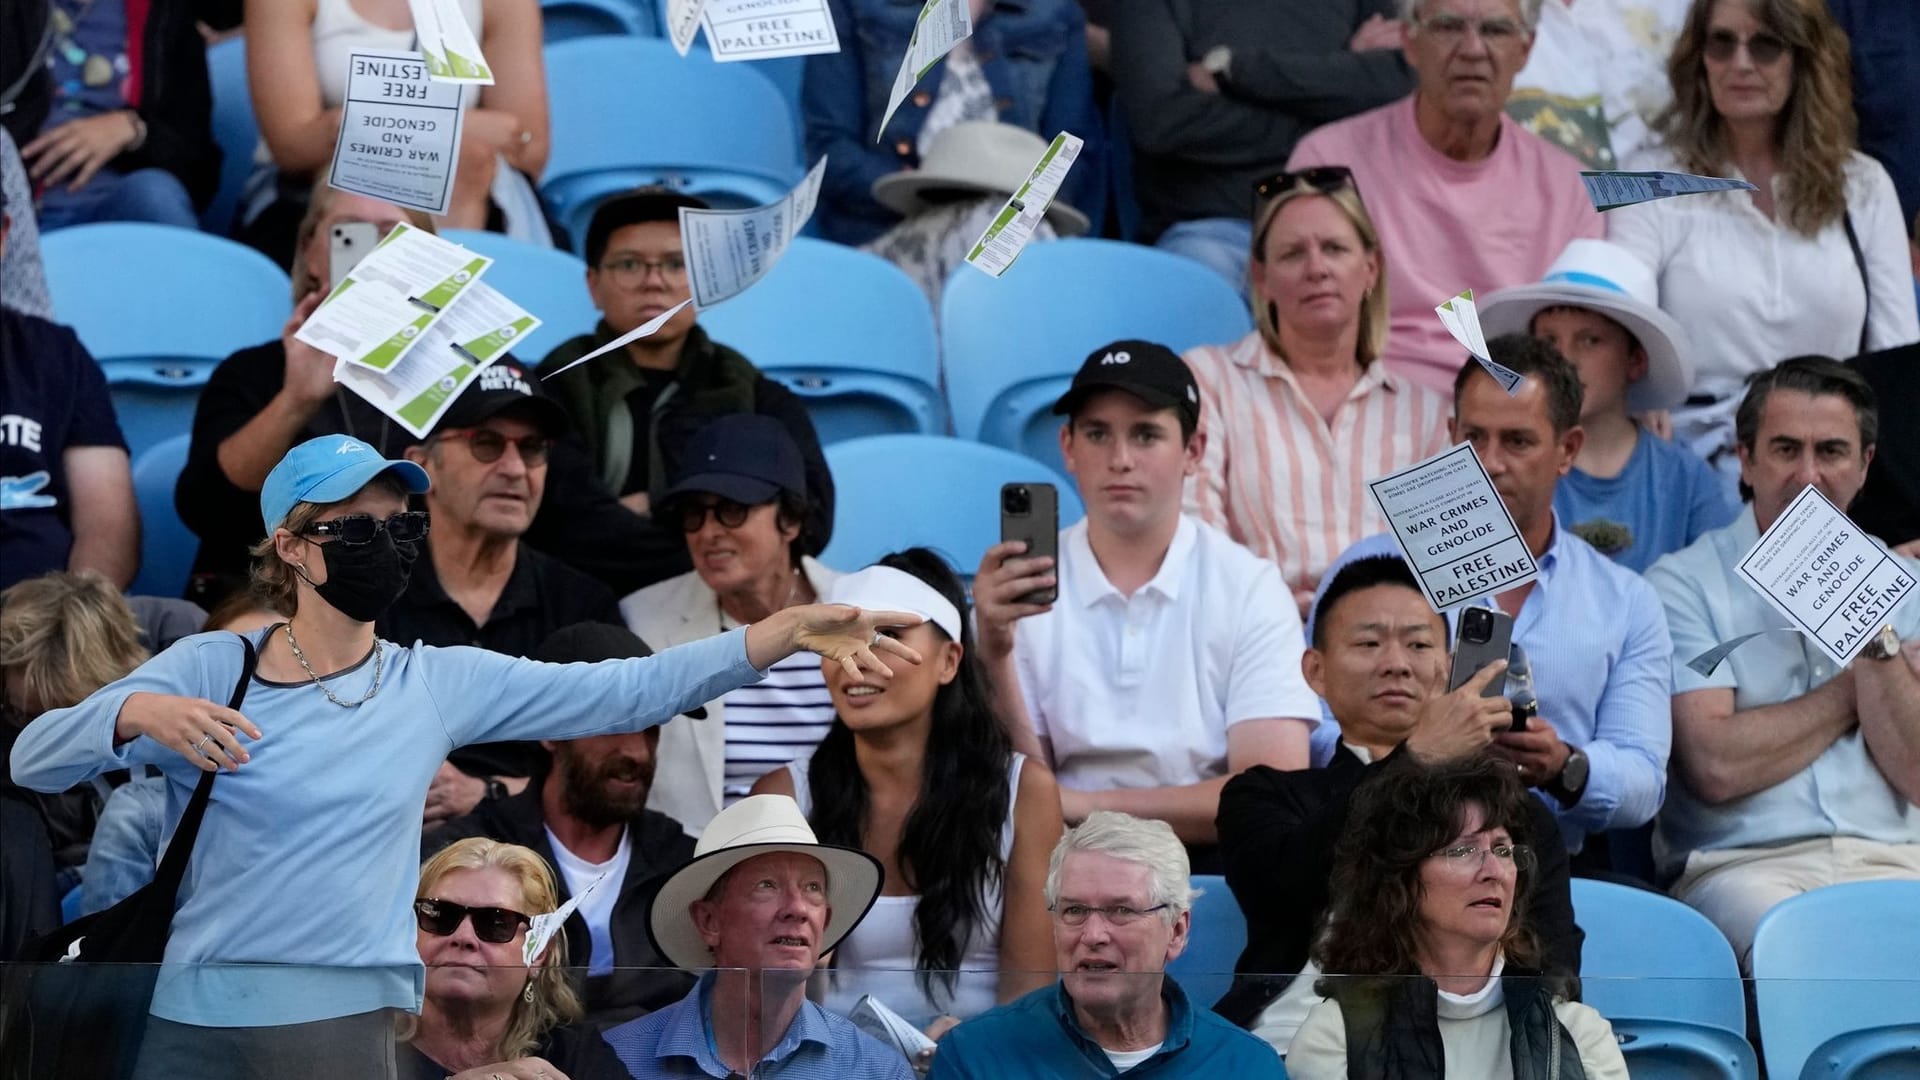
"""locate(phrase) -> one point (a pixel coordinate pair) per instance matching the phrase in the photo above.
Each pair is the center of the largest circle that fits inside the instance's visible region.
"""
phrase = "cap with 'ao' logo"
(1153, 373)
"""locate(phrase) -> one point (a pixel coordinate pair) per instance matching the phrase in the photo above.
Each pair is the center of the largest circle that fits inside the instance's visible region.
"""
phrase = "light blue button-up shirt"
(817, 1045)
(1597, 638)
(1842, 793)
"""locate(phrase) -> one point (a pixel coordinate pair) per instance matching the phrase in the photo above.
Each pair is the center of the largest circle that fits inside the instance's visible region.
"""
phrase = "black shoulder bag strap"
(173, 865)
(1860, 264)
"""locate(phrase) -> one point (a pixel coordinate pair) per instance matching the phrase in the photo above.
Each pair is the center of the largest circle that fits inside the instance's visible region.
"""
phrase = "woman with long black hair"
(919, 771)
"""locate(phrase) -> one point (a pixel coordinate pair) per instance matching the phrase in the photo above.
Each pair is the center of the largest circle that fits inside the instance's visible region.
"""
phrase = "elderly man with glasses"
(1118, 889)
(637, 406)
(1464, 197)
(477, 581)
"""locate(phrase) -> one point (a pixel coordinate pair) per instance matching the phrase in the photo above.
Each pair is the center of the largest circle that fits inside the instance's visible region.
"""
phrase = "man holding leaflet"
(1593, 630)
(1171, 659)
(1793, 774)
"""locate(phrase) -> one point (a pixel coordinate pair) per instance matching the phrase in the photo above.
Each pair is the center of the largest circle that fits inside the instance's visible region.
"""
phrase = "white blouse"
(1752, 292)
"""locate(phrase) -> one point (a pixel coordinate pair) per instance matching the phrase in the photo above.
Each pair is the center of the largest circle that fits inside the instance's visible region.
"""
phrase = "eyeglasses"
(494, 925)
(406, 527)
(487, 445)
(1115, 914)
(628, 270)
(1325, 179)
(1763, 48)
(730, 514)
(1452, 29)
(1465, 857)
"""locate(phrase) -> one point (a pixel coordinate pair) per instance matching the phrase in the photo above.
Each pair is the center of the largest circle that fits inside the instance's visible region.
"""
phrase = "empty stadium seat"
(564, 20)
(1837, 981)
(167, 546)
(848, 332)
(1013, 344)
(159, 307)
(551, 284)
(1666, 979)
(900, 491)
(1214, 944)
(631, 111)
(234, 128)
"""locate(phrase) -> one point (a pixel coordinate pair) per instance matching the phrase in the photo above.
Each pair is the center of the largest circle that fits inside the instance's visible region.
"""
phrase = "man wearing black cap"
(478, 582)
(1171, 659)
(638, 406)
(587, 817)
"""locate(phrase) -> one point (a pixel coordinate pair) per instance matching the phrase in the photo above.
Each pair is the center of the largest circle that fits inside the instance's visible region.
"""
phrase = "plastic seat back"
(167, 546)
(550, 283)
(847, 332)
(564, 20)
(1836, 967)
(1013, 345)
(899, 491)
(1214, 944)
(234, 128)
(630, 111)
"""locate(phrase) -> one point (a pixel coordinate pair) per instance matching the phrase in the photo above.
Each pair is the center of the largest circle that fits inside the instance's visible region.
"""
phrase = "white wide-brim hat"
(756, 825)
(1611, 280)
(975, 155)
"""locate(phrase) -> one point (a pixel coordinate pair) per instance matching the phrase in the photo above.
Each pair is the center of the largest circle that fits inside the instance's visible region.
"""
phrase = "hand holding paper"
(1462, 320)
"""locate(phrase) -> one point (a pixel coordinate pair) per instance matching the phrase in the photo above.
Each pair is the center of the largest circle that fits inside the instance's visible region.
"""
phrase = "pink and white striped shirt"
(1277, 478)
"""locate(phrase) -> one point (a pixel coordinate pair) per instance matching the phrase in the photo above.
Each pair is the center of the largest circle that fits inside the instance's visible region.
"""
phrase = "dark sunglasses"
(494, 925)
(1325, 179)
(406, 527)
(1763, 47)
(487, 445)
(730, 514)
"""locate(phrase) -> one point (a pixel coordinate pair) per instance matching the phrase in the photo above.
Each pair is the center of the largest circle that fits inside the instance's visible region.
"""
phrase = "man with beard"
(587, 817)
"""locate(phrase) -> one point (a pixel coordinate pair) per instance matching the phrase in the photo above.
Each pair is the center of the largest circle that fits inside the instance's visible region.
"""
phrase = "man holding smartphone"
(1170, 660)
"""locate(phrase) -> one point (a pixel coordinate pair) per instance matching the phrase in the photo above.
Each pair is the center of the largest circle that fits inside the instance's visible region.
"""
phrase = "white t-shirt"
(596, 909)
(1127, 1059)
(1139, 691)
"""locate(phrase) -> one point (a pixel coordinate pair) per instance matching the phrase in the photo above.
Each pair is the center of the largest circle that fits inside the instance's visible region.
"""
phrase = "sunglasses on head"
(1325, 179)
(1763, 47)
(406, 527)
(487, 445)
(730, 514)
(494, 925)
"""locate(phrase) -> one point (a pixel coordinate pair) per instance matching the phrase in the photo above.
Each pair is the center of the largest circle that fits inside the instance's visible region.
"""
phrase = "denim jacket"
(1034, 55)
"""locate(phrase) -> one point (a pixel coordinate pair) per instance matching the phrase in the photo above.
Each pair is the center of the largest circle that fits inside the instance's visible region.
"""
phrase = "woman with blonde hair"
(488, 1010)
(1299, 414)
(1813, 260)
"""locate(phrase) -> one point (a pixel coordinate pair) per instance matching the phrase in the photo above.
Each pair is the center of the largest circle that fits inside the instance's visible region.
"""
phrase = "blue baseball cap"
(327, 470)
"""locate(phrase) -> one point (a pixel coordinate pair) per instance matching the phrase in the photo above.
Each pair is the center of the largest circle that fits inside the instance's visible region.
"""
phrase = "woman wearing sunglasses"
(738, 495)
(292, 942)
(1810, 262)
(488, 1010)
(1302, 412)
(1432, 968)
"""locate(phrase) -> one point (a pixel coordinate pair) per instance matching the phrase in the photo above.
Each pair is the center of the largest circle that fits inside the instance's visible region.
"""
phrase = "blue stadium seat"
(234, 129)
(552, 284)
(631, 111)
(1837, 981)
(899, 491)
(167, 546)
(159, 307)
(564, 20)
(1214, 944)
(849, 333)
(1666, 979)
(1013, 345)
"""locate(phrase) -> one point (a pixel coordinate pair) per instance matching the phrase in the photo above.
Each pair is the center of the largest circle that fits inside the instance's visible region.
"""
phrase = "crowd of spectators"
(977, 797)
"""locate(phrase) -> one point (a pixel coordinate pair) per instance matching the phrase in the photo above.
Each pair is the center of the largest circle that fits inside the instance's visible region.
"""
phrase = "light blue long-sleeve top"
(310, 853)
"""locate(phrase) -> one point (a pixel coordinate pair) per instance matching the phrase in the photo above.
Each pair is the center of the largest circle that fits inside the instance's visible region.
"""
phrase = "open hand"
(1378, 32)
(79, 148)
(845, 634)
(207, 735)
(452, 794)
(526, 1068)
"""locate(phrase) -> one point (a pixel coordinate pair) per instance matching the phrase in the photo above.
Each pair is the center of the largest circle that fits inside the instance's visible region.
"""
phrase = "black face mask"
(363, 580)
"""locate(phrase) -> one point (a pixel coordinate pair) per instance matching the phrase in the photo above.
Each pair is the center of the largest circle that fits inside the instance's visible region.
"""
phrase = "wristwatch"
(1884, 646)
(495, 789)
(1218, 61)
(1567, 788)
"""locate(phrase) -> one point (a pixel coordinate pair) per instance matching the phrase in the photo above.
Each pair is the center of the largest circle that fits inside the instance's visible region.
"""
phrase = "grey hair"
(1529, 12)
(1150, 843)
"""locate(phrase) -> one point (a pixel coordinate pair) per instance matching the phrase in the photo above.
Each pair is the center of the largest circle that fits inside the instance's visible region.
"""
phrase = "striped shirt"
(1277, 478)
(775, 721)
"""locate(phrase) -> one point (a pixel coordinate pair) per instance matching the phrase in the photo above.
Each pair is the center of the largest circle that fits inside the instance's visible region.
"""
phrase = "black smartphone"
(1031, 512)
(1482, 636)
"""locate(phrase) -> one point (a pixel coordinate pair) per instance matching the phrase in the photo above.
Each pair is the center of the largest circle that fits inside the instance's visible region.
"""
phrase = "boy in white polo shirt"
(1171, 659)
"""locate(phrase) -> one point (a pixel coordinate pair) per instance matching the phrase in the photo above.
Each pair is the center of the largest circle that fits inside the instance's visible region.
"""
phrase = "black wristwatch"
(495, 789)
(1567, 788)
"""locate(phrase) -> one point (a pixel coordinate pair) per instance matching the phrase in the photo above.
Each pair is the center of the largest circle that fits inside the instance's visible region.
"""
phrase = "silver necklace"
(379, 666)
